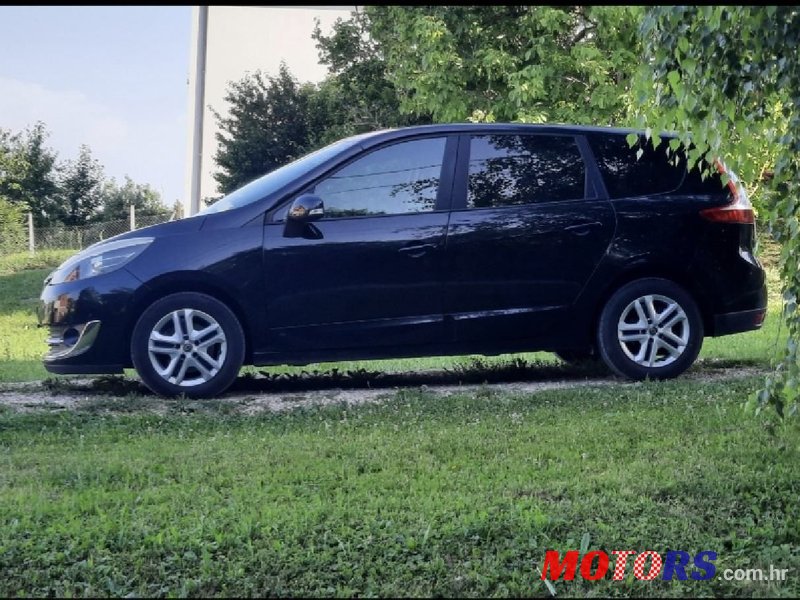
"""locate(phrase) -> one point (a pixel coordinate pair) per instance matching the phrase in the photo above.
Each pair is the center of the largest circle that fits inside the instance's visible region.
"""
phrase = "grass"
(22, 343)
(423, 495)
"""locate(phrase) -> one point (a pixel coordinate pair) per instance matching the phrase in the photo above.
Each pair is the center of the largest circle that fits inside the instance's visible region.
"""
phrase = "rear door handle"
(583, 228)
(417, 250)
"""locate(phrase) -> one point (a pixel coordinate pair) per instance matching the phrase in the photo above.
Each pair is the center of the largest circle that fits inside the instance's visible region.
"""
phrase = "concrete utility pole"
(200, 39)
(31, 243)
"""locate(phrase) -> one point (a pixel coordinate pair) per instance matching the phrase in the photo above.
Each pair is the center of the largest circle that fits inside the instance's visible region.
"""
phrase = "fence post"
(133, 217)
(31, 242)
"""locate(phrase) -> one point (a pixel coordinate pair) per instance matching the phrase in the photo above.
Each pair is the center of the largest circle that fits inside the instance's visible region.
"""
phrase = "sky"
(113, 78)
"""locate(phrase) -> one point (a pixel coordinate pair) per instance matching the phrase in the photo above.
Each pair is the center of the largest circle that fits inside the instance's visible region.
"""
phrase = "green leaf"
(674, 78)
(585, 543)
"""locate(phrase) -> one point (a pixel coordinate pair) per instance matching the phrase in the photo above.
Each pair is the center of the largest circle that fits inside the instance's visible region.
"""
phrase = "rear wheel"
(650, 328)
(188, 343)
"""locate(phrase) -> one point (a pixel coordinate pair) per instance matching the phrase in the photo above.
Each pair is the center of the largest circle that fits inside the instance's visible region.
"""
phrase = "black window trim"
(593, 187)
(443, 194)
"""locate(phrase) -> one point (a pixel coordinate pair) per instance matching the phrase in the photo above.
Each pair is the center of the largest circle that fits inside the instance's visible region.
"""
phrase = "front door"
(369, 273)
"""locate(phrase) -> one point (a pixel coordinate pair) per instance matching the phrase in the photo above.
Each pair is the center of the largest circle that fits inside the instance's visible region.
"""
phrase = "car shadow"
(476, 373)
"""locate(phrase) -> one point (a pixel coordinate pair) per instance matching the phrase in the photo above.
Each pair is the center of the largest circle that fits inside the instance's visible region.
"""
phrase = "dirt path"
(78, 394)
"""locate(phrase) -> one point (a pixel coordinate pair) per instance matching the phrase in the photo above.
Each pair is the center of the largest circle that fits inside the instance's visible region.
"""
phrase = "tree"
(267, 127)
(116, 200)
(508, 63)
(730, 75)
(80, 189)
(176, 212)
(28, 173)
(358, 83)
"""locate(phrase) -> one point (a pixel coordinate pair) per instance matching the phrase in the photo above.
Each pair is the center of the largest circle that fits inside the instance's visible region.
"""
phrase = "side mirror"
(306, 208)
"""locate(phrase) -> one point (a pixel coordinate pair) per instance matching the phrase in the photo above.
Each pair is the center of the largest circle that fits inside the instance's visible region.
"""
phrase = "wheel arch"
(175, 283)
(662, 271)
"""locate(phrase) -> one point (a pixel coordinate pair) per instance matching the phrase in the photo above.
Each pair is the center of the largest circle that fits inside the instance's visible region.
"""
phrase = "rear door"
(527, 230)
(369, 273)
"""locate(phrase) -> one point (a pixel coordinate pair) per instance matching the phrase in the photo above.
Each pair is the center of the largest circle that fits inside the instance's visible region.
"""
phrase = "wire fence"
(65, 237)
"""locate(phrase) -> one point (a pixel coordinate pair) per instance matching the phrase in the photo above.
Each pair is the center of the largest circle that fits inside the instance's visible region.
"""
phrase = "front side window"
(397, 179)
(273, 181)
(507, 170)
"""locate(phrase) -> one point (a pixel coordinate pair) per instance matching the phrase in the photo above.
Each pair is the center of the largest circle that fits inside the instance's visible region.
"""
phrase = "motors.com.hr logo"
(647, 565)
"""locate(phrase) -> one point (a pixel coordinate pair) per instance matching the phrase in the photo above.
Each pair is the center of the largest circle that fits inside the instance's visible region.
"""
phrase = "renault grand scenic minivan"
(423, 241)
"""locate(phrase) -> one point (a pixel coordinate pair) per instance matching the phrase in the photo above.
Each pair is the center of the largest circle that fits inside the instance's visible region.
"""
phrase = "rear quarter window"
(626, 176)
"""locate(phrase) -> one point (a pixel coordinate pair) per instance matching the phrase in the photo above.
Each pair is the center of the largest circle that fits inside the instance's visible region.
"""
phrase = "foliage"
(730, 76)
(116, 200)
(358, 74)
(80, 189)
(393, 66)
(28, 172)
(267, 126)
(509, 63)
(12, 227)
(65, 193)
(176, 211)
(273, 120)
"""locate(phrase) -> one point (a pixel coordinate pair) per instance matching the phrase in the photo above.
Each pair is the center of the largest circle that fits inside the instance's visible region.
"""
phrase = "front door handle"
(583, 228)
(417, 250)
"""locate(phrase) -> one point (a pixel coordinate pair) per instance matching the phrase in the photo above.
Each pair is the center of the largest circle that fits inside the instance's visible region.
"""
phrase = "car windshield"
(274, 180)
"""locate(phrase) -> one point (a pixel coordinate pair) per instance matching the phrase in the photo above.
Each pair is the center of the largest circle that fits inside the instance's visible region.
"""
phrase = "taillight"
(739, 210)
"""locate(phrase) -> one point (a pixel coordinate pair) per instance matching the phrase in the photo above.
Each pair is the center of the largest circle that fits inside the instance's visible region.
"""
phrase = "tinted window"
(397, 179)
(523, 169)
(275, 180)
(625, 175)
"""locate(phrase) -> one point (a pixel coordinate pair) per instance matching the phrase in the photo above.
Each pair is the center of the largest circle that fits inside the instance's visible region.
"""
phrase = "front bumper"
(68, 341)
(88, 323)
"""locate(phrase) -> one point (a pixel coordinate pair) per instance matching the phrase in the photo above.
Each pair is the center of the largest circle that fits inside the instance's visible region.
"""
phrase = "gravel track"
(80, 394)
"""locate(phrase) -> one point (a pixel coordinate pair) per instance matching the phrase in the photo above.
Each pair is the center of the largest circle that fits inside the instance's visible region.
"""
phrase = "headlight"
(99, 259)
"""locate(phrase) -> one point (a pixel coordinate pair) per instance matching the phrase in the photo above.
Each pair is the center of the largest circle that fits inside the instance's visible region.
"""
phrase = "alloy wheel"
(653, 330)
(187, 347)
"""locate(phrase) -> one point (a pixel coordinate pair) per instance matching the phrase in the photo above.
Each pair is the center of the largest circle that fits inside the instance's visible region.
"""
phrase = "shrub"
(12, 227)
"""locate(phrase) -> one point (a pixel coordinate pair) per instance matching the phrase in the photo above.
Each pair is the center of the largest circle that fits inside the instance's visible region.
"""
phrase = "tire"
(575, 357)
(212, 361)
(659, 339)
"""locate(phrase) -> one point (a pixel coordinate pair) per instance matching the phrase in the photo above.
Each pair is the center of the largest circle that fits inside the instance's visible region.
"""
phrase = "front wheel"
(650, 328)
(188, 343)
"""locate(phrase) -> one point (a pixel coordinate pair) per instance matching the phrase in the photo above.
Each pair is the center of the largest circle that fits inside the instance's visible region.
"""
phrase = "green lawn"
(423, 495)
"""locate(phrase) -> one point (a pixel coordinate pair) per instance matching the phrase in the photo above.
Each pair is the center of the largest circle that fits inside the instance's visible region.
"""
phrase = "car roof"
(449, 128)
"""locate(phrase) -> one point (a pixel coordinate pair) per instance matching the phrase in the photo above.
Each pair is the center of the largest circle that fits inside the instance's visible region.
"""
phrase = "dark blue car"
(424, 241)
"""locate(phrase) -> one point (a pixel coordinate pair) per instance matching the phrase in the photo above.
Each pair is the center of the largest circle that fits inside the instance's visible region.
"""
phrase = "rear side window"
(507, 170)
(627, 176)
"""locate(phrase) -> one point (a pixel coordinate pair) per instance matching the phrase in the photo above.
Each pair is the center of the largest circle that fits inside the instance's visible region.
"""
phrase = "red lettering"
(602, 565)
(556, 566)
